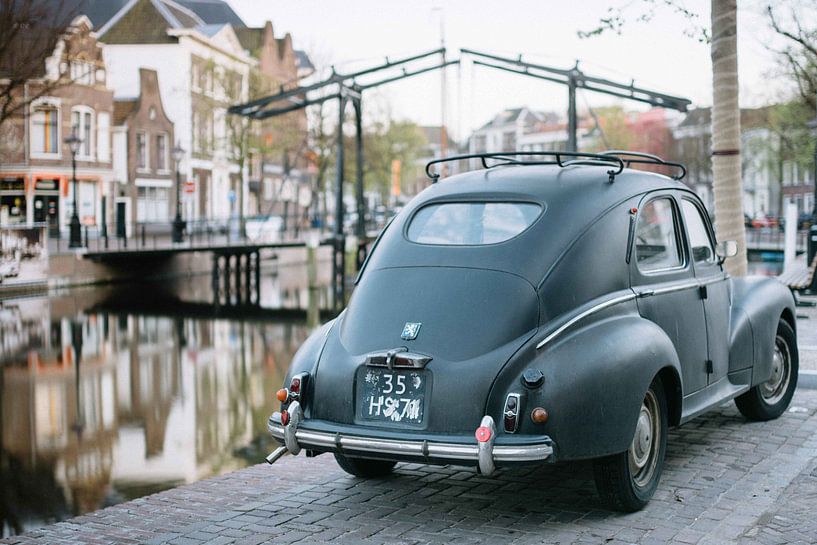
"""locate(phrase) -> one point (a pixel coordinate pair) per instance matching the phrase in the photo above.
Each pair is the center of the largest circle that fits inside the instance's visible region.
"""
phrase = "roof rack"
(510, 158)
(637, 157)
(619, 159)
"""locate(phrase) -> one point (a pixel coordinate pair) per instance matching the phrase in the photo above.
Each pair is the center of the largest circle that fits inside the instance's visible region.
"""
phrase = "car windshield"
(471, 223)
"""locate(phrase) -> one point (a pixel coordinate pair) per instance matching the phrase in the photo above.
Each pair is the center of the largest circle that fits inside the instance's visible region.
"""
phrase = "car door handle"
(646, 293)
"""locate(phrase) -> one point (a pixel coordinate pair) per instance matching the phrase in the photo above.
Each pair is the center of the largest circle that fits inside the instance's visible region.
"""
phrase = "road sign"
(189, 187)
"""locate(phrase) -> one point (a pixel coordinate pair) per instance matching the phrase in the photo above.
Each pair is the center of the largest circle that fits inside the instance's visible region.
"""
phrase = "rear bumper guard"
(485, 454)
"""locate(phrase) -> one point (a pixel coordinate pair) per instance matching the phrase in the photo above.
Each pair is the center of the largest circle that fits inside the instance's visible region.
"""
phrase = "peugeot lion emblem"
(410, 331)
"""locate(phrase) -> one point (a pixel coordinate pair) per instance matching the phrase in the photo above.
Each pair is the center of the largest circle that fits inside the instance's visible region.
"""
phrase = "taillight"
(510, 416)
(284, 418)
(295, 385)
(282, 395)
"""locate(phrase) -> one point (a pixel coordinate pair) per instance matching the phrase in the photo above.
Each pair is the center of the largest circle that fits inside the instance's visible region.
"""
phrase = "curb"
(807, 380)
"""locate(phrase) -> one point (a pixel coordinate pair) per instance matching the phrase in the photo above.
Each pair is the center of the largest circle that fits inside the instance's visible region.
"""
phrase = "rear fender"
(595, 381)
(306, 360)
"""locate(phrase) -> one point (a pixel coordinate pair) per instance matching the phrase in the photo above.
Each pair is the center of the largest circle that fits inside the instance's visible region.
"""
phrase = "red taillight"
(483, 434)
(284, 418)
(295, 385)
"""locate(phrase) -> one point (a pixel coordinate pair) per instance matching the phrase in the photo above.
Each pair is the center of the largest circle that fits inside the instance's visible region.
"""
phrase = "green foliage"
(383, 143)
(788, 121)
(386, 142)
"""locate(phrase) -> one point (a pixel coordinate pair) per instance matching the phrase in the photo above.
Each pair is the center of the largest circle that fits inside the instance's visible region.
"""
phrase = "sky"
(353, 34)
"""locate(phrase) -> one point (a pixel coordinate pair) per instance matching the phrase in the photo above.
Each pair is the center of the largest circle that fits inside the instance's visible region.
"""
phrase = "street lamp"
(75, 239)
(178, 224)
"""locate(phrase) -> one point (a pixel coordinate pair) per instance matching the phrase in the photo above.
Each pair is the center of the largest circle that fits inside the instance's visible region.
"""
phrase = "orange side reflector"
(282, 395)
(539, 415)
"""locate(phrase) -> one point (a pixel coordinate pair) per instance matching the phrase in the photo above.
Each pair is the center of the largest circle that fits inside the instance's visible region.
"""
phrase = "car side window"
(657, 237)
(699, 242)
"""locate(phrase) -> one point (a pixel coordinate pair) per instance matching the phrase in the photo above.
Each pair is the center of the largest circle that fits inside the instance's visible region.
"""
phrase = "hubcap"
(643, 452)
(775, 388)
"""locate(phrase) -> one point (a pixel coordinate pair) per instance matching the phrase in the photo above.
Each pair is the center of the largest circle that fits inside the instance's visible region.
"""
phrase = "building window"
(161, 151)
(508, 141)
(83, 72)
(82, 123)
(152, 204)
(45, 130)
(196, 135)
(103, 139)
(142, 159)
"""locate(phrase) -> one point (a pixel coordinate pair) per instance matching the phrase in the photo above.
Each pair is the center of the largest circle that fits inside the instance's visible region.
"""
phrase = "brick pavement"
(726, 480)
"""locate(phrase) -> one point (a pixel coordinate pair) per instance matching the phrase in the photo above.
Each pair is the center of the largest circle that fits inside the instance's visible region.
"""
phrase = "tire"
(769, 400)
(363, 467)
(627, 481)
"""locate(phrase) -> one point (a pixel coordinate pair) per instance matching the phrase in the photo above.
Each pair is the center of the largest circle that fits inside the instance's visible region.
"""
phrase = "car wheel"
(627, 481)
(770, 399)
(363, 467)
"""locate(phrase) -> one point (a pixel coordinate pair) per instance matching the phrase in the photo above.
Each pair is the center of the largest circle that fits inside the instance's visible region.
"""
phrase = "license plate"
(391, 395)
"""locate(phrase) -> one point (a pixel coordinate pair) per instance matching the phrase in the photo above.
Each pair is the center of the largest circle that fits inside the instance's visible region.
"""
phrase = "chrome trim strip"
(616, 300)
(422, 449)
(582, 315)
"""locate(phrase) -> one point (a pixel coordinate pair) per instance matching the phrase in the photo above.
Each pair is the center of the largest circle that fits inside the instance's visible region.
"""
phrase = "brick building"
(143, 163)
(202, 68)
(36, 173)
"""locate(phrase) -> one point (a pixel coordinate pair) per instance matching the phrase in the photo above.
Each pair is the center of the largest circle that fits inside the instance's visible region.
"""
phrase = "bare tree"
(30, 32)
(799, 53)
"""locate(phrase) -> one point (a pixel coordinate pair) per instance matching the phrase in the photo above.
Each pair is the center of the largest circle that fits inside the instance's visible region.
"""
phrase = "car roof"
(573, 197)
(552, 184)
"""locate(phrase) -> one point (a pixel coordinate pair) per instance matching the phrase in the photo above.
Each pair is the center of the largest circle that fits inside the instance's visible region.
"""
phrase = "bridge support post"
(215, 280)
(257, 272)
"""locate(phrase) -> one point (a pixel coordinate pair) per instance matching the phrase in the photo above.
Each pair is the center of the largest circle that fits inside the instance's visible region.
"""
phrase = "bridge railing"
(198, 232)
(773, 239)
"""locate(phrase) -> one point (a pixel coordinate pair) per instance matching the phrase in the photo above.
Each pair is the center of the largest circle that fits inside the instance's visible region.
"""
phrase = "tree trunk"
(726, 168)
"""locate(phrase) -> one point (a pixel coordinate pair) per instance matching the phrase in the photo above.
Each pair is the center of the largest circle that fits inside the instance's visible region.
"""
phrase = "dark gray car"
(525, 313)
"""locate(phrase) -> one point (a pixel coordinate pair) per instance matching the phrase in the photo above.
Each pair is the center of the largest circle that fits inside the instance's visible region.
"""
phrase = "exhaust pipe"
(275, 455)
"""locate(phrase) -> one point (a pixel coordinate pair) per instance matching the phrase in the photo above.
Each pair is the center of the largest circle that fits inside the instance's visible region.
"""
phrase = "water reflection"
(100, 404)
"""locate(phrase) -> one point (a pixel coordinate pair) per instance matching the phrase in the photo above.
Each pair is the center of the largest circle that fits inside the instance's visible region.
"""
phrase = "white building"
(202, 69)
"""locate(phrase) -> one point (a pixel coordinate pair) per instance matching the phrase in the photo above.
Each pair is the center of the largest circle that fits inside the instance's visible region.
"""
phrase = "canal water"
(112, 393)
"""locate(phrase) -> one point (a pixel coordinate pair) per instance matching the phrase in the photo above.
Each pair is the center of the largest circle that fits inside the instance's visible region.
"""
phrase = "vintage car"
(547, 307)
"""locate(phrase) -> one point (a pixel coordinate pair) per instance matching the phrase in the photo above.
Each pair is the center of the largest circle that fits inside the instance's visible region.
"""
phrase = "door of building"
(121, 219)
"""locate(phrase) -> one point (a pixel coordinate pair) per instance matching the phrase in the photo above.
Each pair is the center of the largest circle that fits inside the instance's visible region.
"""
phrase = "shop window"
(152, 204)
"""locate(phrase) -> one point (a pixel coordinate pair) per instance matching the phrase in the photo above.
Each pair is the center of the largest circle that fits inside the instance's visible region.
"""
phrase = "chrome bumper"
(485, 454)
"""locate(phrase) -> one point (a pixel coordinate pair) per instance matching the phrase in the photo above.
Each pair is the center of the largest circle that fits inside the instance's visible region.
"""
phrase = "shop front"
(13, 206)
(46, 203)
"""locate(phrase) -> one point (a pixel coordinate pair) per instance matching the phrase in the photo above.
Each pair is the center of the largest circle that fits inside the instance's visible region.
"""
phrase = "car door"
(662, 276)
(713, 286)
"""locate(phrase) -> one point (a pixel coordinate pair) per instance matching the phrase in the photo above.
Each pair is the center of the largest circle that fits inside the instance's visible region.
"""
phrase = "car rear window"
(471, 223)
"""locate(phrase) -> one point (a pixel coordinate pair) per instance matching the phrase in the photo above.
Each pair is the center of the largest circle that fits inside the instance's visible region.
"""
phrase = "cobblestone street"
(725, 480)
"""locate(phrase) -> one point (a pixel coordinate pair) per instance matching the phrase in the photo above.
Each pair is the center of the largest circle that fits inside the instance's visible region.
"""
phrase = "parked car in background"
(552, 307)
(762, 221)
